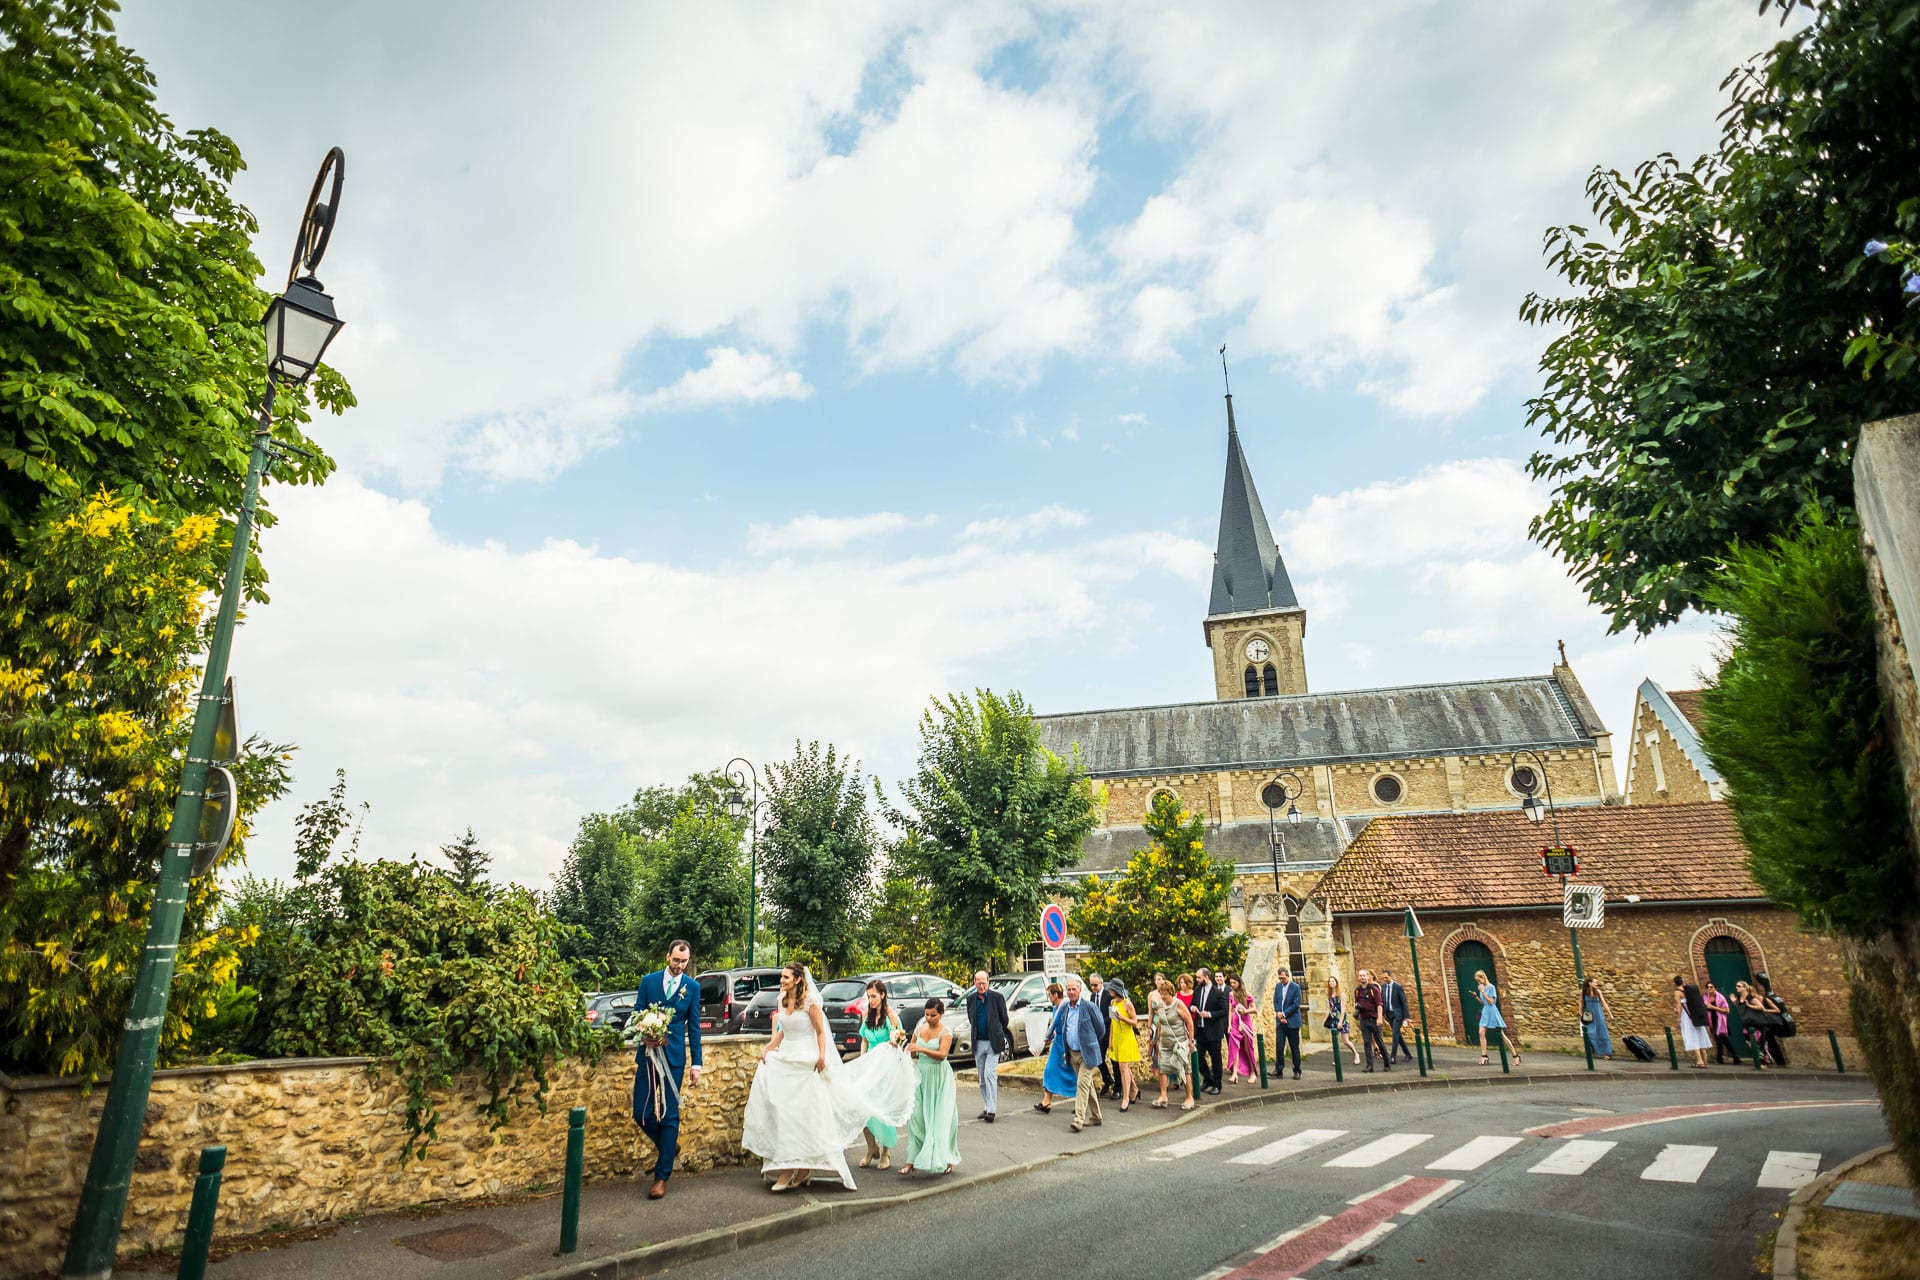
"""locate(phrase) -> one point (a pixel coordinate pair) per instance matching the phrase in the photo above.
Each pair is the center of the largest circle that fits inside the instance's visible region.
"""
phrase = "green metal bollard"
(1420, 1052)
(1260, 1052)
(1587, 1042)
(1193, 1065)
(1505, 1068)
(576, 1161)
(1427, 1039)
(1838, 1065)
(1736, 1033)
(206, 1199)
(1673, 1057)
(1339, 1076)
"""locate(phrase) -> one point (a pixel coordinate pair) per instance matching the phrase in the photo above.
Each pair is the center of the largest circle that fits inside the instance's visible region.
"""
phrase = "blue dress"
(1490, 1019)
(1059, 1079)
(1597, 1029)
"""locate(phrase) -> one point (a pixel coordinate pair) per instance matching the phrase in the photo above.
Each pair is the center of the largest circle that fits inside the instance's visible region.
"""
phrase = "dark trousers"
(1370, 1041)
(1723, 1048)
(665, 1136)
(1400, 1049)
(1776, 1052)
(1285, 1038)
(1210, 1062)
(1109, 1074)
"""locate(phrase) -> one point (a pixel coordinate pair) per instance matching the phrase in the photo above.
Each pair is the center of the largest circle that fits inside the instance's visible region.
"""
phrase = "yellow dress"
(1125, 1046)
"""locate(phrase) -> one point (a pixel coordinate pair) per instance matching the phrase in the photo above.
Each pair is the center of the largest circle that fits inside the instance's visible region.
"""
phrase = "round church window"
(1524, 781)
(1388, 789)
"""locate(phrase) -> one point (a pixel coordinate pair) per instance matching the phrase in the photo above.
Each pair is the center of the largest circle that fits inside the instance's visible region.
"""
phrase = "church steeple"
(1248, 572)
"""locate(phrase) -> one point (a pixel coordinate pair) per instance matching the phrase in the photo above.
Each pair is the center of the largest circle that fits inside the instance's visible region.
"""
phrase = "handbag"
(1330, 1022)
(1586, 1015)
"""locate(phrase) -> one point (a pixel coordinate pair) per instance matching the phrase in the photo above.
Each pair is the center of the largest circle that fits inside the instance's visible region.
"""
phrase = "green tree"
(131, 350)
(902, 930)
(1167, 911)
(596, 891)
(696, 891)
(1698, 391)
(996, 816)
(817, 855)
(467, 862)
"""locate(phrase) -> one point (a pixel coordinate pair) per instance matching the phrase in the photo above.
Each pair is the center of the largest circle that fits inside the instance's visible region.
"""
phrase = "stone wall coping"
(31, 1084)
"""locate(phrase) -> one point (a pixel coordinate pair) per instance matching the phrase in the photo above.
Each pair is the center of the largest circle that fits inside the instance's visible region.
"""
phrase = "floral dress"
(1171, 1047)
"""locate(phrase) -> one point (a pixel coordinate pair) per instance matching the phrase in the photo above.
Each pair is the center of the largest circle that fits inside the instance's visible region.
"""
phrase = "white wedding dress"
(800, 1118)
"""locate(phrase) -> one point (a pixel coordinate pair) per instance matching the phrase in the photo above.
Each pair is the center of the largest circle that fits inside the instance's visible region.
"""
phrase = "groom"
(656, 1094)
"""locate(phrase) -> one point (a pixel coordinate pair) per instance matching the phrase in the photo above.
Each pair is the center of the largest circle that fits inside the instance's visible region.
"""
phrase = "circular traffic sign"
(1053, 925)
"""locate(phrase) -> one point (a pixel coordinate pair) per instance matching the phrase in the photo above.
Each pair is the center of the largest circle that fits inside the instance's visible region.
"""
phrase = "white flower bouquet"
(650, 1026)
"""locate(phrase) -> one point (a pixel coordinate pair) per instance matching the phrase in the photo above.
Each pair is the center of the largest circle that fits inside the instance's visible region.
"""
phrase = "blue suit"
(656, 1102)
(1286, 1025)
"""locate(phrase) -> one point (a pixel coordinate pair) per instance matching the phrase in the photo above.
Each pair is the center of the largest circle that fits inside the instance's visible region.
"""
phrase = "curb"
(721, 1241)
(1786, 1244)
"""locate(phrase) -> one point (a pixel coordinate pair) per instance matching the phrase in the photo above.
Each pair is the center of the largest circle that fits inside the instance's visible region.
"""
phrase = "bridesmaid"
(1240, 1063)
(1124, 1047)
(879, 1027)
(933, 1134)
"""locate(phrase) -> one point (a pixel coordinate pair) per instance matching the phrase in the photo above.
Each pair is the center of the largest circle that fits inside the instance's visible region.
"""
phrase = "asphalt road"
(1349, 1183)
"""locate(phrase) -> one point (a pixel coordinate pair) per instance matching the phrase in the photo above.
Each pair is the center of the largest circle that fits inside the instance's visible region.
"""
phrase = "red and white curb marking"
(1661, 1115)
(1325, 1239)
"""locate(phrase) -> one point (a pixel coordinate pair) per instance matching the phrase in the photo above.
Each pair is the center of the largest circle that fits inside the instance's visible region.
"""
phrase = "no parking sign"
(1053, 926)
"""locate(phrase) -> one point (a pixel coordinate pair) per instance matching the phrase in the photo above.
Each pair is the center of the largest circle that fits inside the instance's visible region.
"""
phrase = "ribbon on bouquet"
(664, 1085)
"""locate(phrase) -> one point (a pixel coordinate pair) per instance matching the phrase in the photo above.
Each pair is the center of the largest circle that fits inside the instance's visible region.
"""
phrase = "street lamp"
(1537, 813)
(1283, 790)
(756, 811)
(299, 324)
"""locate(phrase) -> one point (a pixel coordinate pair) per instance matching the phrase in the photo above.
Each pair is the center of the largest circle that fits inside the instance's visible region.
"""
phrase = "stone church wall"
(1684, 783)
(316, 1141)
(1634, 956)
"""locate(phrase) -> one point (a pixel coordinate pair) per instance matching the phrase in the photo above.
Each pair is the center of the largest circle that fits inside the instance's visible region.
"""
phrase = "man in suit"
(1286, 1022)
(1209, 1026)
(1393, 1004)
(992, 1040)
(662, 1066)
(1078, 1022)
(1103, 1001)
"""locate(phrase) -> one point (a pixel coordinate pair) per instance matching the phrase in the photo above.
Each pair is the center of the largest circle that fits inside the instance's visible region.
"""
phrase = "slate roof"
(1110, 848)
(1248, 573)
(1491, 859)
(1314, 728)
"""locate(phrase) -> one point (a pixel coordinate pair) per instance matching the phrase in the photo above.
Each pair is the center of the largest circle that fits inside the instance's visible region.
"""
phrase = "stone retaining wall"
(317, 1140)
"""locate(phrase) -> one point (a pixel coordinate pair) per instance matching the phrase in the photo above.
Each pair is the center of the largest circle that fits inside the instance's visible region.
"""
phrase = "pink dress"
(1240, 1059)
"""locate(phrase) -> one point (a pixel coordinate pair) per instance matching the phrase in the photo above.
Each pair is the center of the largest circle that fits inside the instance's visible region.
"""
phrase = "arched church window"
(1253, 681)
(1271, 679)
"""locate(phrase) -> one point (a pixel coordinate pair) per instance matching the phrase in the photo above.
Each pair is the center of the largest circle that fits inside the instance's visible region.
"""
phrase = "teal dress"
(933, 1133)
(1058, 1078)
(883, 1132)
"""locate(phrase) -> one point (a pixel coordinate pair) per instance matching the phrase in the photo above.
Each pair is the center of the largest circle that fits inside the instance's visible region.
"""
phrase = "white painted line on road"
(1446, 1189)
(1575, 1158)
(1227, 1268)
(1678, 1162)
(1379, 1151)
(1293, 1145)
(1361, 1242)
(1206, 1142)
(1789, 1170)
(1474, 1154)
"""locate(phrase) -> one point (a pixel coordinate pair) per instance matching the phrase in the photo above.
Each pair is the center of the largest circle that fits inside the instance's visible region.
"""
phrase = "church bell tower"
(1255, 625)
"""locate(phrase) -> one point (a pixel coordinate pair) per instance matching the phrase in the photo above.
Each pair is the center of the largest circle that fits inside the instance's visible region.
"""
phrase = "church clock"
(1257, 650)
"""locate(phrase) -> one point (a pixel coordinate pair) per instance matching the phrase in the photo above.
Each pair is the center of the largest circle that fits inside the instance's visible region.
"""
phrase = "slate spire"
(1247, 570)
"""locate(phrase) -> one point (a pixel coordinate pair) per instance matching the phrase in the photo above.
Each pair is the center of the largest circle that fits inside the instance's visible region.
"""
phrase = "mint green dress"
(870, 1037)
(933, 1133)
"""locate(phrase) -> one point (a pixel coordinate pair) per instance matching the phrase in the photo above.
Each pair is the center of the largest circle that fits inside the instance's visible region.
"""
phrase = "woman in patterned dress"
(1173, 1045)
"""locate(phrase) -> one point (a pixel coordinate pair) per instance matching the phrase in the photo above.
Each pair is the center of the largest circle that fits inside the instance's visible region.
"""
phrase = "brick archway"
(1718, 928)
(1456, 1016)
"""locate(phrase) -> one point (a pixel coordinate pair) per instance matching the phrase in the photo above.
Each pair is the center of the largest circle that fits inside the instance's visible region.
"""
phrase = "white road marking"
(1379, 1151)
(1678, 1162)
(1449, 1187)
(1574, 1158)
(1789, 1170)
(1475, 1153)
(1292, 1145)
(1361, 1241)
(1206, 1142)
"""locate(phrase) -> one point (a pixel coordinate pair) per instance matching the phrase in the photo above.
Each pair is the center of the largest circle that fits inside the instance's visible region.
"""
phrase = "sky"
(732, 376)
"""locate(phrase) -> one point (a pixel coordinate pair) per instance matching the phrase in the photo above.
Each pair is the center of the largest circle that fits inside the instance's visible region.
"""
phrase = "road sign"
(1056, 964)
(1560, 860)
(1413, 924)
(1053, 926)
(1585, 906)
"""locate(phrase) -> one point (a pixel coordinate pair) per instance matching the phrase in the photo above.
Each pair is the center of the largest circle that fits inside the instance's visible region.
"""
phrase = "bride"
(806, 1108)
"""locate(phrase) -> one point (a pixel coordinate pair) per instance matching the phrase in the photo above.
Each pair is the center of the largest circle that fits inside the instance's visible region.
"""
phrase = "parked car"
(725, 993)
(1023, 992)
(756, 1015)
(610, 1009)
(846, 1004)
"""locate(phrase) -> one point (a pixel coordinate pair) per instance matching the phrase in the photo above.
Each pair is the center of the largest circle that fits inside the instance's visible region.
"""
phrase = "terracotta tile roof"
(1688, 701)
(1664, 853)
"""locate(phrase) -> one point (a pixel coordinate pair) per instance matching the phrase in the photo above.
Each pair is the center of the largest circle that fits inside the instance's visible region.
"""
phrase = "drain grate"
(449, 1244)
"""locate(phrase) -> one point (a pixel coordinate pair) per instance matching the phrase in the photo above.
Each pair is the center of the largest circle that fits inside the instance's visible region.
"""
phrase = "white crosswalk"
(1672, 1163)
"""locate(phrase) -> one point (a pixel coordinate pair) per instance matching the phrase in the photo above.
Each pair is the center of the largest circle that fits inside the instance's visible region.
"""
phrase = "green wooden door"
(1469, 958)
(1727, 964)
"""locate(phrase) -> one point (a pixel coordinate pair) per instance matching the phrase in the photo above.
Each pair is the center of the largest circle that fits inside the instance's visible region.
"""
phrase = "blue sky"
(737, 375)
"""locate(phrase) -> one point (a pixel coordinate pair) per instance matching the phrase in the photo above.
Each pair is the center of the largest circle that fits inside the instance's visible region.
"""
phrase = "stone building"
(1665, 762)
(1679, 900)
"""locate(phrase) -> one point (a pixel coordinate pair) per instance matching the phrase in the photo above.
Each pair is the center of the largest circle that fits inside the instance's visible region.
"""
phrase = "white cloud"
(1042, 521)
(1456, 508)
(828, 533)
(1484, 599)
(731, 376)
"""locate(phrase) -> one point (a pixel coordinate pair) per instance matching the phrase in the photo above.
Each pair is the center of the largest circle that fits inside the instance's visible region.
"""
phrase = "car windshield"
(765, 1000)
(1006, 986)
(841, 990)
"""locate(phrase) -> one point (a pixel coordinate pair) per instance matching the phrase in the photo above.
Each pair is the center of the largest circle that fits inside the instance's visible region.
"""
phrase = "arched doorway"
(1470, 957)
(1727, 963)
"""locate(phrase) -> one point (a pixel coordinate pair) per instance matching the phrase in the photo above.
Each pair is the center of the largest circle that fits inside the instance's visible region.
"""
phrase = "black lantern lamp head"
(736, 804)
(1534, 809)
(1293, 814)
(300, 324)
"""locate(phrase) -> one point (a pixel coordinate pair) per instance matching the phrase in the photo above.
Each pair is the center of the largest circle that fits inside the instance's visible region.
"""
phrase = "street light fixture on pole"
(299, 325)
(1283, 790)
(755, 811)
(1537, 813)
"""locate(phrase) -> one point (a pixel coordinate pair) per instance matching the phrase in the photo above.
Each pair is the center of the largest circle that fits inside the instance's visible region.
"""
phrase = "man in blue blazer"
(1286, 1022)
(662, 1066)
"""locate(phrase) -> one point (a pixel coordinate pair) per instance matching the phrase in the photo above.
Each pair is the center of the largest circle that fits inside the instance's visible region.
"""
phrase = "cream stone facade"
(1666, 763)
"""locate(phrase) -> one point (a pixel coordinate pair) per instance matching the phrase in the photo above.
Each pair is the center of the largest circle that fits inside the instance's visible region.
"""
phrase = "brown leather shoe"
(658, 1191)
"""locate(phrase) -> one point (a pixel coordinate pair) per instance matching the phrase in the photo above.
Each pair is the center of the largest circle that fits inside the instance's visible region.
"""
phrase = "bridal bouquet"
(651, 1026)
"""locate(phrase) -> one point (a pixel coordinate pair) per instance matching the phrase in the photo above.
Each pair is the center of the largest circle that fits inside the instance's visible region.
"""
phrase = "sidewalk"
(716, 1212)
